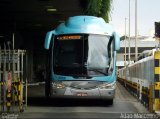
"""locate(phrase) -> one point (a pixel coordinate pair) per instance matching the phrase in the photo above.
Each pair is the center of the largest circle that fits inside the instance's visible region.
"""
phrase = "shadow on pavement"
(43, 101)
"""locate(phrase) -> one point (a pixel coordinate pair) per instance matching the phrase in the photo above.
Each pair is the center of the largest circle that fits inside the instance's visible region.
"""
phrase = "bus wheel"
(47, 88)
(110, 102)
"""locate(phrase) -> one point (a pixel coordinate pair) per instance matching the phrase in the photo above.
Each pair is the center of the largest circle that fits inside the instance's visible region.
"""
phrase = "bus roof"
(84, 24)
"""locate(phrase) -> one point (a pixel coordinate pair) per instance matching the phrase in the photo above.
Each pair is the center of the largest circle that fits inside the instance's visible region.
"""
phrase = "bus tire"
(110, 102)
(47, 88)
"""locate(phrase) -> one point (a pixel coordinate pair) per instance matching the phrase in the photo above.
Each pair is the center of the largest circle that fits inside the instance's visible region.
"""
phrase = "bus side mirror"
(116, 41)
(48, 39)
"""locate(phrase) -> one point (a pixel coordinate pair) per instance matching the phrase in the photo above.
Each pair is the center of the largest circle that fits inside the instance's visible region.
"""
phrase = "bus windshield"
(81, 55)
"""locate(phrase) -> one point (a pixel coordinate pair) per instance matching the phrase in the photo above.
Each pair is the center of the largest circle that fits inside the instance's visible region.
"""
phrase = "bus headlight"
(108, 85)
(59, 85)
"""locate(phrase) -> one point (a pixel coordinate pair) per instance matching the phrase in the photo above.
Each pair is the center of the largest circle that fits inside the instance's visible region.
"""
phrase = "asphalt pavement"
(40, 107)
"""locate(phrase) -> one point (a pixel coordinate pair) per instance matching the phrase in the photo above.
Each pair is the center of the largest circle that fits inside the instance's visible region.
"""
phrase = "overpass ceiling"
(31, 15)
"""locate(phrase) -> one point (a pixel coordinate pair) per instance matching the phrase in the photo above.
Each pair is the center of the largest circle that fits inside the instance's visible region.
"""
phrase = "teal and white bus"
(82, 59)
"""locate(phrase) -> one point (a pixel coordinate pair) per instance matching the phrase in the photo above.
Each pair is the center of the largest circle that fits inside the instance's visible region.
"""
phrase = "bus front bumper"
(81, 93)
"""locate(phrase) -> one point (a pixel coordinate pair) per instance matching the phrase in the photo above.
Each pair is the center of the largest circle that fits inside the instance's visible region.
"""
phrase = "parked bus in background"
(82, 59)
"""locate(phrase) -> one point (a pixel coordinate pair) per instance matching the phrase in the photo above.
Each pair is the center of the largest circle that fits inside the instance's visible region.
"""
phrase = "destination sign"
(74, 37)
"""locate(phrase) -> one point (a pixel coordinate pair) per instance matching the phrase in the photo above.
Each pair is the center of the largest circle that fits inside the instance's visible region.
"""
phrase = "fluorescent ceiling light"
(51, 10)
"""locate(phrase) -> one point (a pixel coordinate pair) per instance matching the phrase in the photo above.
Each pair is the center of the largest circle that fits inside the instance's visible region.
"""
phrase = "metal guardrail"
(12, 80)
(142, 79)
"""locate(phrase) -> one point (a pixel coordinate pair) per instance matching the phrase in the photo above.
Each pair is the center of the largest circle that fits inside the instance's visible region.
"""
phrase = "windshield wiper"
(98, 71)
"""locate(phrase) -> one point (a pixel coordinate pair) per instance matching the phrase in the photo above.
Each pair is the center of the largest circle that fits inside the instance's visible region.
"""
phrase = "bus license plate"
(82, 94)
